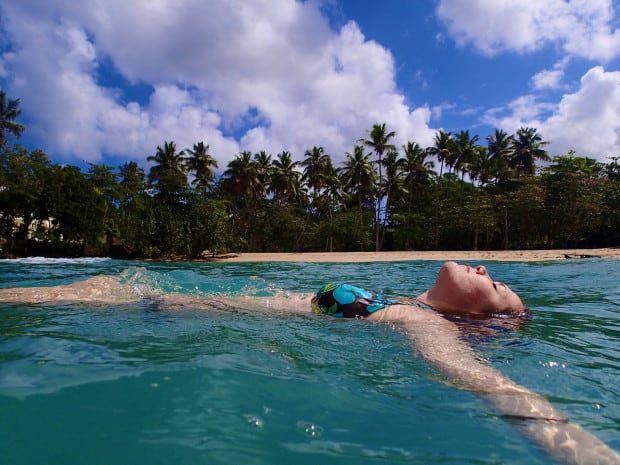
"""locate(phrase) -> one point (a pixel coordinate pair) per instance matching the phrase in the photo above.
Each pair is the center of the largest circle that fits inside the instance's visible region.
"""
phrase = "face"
(471, 290)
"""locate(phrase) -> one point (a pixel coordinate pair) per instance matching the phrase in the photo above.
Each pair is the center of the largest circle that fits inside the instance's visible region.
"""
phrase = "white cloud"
(586, 121)
(213, 66)
(551, 78)
(582, 27)
(547, 79)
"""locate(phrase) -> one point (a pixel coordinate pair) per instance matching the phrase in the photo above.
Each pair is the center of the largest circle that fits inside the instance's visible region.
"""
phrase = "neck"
(423, 301)
(428, 299)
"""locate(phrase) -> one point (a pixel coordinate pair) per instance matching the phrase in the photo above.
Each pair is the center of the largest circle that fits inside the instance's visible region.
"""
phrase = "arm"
(110, 290)
(438, 340)
(103, 289)
(278, 304)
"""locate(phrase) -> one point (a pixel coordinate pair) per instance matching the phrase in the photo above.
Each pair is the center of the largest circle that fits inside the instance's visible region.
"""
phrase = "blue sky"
(107, 82)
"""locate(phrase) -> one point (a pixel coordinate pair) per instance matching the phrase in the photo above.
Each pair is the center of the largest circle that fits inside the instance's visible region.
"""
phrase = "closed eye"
(497, 285)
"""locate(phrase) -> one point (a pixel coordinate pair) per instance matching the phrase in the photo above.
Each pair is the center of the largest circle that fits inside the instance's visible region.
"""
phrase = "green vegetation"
(490, 196)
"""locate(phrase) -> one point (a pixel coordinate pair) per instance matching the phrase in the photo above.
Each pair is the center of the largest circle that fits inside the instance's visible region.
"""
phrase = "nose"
(480, 269)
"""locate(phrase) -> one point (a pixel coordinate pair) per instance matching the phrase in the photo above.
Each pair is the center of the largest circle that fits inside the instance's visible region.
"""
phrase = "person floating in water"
(458, 291)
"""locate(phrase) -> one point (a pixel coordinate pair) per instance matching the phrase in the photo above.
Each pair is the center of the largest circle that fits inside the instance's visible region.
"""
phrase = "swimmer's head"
(466, 290)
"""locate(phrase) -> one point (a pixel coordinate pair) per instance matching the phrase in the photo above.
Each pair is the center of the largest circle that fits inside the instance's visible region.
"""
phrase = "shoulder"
(404, 313)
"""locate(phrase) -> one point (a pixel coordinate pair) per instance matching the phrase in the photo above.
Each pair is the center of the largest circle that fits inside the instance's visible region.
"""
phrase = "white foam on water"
(55, 261)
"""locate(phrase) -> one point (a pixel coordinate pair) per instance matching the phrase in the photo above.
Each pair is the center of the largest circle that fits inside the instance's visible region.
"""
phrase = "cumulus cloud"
(547, 79)
(593, 116)
(583, 28)
(271, 72)
(586, 121)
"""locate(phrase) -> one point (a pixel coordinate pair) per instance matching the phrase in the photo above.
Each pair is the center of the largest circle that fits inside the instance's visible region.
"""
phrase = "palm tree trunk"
(505, 227)
(385, 218)
(378, 212)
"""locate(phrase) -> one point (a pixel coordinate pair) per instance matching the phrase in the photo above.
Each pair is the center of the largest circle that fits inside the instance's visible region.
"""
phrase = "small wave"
(55, 261)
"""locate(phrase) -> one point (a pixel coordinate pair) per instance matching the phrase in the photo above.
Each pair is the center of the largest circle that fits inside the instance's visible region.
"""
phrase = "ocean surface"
(133, 384)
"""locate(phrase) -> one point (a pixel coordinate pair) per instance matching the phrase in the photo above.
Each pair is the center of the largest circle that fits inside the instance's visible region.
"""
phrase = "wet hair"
(523, 314)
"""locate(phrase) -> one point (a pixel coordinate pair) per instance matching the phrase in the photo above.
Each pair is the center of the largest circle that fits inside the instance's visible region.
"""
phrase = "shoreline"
(468, 256)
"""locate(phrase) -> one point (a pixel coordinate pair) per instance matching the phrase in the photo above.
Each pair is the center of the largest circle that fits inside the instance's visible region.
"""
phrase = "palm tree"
(482, 165)
(527, 146)
(465, 148)
(379, 141)
(499, 147)
(9, 111)
(333, 180)
(168, 173)
(443, 148)
(417, 170)
(132, 179)
(359, 177)
(394, 167)
(285, 183)
(418, 173)
(315, 165)
(333, 195)
(131, 219)
(241, 179)
(415, 166)
(264, 168)
(202, 164)
(243, 176)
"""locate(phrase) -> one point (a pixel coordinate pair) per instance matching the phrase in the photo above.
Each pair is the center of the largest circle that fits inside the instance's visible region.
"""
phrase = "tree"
(527, 147)
(315, 165)
(333, 196)
(285, 179)
(209, 226)
(417, 169)
(168, 174)
(359, 179)
(465, 148)
(243, 176)
(24, 179)
(574, 200)
(359, 176)
(136, 218)
(263, 166)
(200, 162)
(379, 141)
(242, 180)
(418, 174)
(611, 231)
(132, 181)
(9, 112)
(500, 150)
(393, 181)
(77, 207)
(103, 178)
(613, 169)
(443, 148)
(481, 166)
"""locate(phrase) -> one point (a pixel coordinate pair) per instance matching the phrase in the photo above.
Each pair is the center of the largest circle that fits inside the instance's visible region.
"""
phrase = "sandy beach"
(467, 256)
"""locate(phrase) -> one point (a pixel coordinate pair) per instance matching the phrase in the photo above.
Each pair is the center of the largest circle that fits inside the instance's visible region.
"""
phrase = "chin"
(449, 265)
(451, 275)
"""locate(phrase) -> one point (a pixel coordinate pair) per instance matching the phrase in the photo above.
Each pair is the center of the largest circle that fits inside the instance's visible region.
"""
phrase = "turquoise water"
(125, 384)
